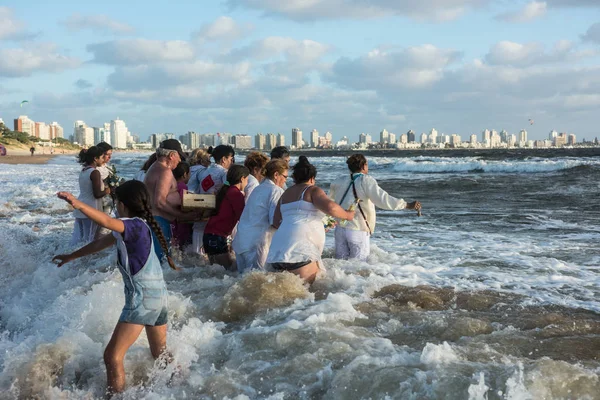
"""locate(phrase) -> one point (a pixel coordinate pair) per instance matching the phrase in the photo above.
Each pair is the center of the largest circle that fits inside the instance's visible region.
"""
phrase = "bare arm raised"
(328, 206)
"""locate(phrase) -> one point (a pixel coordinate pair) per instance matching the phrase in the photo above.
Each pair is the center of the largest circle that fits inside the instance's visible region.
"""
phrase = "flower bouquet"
(113, 180)
(329, 223)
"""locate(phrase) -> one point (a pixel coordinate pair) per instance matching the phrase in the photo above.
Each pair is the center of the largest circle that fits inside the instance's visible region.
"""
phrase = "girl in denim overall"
(145, 289)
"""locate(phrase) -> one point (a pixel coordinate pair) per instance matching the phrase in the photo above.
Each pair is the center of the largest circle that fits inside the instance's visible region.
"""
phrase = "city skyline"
(339, 66)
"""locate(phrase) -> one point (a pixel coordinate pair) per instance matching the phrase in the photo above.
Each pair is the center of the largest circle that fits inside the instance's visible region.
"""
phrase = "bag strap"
(352, 178)
(360, 208)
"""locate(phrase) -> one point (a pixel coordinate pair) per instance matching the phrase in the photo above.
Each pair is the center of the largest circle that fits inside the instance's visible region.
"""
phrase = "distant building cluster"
(114, 133)
(40, 130)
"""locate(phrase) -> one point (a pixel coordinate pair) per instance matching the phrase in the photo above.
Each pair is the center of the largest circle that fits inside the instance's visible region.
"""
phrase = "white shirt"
(255, 229)
(252, 184)
(217, 173)
(370, 194)
(104, 170)
(194, 182)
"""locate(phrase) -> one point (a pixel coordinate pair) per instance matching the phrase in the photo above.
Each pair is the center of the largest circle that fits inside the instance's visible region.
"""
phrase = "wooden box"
(192, 201)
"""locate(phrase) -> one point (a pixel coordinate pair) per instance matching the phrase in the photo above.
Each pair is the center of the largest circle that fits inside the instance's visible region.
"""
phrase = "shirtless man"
(162, 187)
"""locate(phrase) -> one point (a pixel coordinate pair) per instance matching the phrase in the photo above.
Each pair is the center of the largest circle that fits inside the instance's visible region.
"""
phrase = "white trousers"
(351, 244)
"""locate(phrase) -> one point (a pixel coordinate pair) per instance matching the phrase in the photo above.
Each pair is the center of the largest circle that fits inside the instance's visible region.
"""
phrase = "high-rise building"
(560, 140)
(504, 136)
(455, 140)
(473, 139)
(242, 141)
(297, 141)
(25, 125)
(522, 137)
(495, 139)
(433, 136)
(572, 140)
(193, 140)
(280, 139)
(83, 134)
(208, 140)
(552, 135)
(411, 137)
(392, 138)
(118, 134)
(42, 131)
(98, 135)
(107, 135)
(271, 141)
(314, 138)
(486, 137)
(56, 131)
(329, 136)
(424, 137)
(362, 138)
(260, 141)
(384, 136)
(403, 139)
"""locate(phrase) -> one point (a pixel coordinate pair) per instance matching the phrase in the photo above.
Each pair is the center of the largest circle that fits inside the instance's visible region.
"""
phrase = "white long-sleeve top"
(371, 196)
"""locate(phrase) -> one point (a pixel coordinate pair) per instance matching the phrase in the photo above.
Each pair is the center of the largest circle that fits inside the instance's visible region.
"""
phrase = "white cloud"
(140, 51)
(11, 28)
(222, 29)
(299, 51)
(144, 77)
(413, 67)
(531, 11)
(40, 58)
(100, 23)
(592, 34)
(440, 10)
(517, 54)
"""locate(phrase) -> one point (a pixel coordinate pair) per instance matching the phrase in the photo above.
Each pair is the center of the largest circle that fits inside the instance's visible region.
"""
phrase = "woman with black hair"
(298, 243)
(229, 208)
(91, 192)
(211, 180)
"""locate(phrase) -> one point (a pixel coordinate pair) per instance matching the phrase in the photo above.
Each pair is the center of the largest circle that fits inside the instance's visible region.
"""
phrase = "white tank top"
(86, 192)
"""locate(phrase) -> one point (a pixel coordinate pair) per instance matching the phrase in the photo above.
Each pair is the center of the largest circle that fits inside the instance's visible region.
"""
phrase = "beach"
(491, 294)
(25, 159)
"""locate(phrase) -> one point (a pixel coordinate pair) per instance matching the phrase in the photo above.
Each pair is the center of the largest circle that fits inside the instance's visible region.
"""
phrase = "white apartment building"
(314, 138)
(118, 134)
(297, 141)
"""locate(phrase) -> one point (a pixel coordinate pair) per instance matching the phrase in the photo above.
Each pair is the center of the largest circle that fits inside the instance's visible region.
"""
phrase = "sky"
(344, 66)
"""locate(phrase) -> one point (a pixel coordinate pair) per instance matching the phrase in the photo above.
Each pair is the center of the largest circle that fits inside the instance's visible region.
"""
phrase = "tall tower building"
(118, 134)
(280, 139)
(271, 141)
(259, 141)
(433, 136)
(297, 138)
(522, 137)
(411, 137)
(384, 136)
(314, 138)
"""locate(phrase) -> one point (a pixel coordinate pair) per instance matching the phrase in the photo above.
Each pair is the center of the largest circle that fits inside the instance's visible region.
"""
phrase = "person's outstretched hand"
(415, 205)
(62, 259)
(66, 196)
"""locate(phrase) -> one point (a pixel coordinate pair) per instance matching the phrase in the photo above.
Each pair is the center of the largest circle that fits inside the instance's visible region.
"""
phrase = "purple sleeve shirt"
(138, 242)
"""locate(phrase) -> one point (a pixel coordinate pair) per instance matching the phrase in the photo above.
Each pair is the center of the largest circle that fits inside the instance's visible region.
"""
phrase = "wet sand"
(26, 159)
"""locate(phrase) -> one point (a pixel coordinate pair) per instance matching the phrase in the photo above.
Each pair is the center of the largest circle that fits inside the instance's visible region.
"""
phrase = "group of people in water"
(258, 224)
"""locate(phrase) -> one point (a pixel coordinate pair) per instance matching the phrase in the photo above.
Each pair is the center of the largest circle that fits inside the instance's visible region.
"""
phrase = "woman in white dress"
(298, 243)
(255, 229)
(211, 180)
(91, 192)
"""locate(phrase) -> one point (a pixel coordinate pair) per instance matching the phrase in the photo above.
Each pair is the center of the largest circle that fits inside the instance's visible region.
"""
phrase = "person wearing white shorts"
(352, 240)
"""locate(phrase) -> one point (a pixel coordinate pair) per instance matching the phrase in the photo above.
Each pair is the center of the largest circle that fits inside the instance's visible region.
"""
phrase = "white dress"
(85, 229)
(255, 230)
(301, 236)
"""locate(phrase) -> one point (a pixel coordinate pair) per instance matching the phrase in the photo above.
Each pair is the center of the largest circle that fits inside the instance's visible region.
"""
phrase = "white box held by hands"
(198, 201)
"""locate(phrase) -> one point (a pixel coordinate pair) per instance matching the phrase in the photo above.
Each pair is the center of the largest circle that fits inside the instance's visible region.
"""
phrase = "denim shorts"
(149, 310)
(214, 244)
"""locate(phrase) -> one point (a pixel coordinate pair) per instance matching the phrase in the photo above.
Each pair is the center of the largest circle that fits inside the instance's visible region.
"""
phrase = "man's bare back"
(162, 187)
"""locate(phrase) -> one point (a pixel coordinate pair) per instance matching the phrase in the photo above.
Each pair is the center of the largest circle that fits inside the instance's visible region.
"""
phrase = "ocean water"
(494, 293)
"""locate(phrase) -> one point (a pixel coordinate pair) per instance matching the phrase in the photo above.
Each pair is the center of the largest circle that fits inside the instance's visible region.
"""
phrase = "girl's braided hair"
(134, 195)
